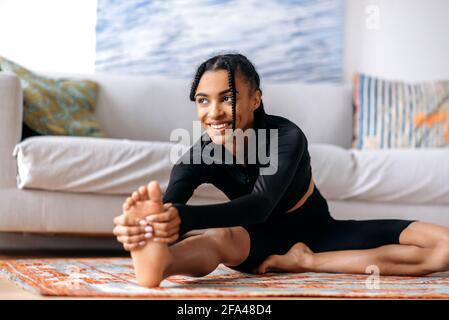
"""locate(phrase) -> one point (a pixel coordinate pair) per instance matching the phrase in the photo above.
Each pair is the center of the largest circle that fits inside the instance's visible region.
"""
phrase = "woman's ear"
(257, 99)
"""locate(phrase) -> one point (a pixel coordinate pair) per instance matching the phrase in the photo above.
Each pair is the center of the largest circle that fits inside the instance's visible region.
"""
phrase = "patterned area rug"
(113, 277)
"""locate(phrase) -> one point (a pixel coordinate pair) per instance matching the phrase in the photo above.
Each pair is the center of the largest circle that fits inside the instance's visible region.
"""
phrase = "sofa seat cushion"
(98, 165)
(405, 176)
(119, 166)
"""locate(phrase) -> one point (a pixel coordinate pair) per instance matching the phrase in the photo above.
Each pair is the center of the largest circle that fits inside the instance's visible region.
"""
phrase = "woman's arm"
(305, 196)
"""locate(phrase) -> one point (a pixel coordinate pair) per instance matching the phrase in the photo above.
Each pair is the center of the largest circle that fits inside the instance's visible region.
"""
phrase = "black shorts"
(313, 225)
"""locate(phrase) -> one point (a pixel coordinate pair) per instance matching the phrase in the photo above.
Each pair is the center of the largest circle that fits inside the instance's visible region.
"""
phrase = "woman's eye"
(227, 98)
(202, 100)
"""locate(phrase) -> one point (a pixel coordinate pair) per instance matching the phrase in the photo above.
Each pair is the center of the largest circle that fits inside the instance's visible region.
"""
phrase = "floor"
(9, 291)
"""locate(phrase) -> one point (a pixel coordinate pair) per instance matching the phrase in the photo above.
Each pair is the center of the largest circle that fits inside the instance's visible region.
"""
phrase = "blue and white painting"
(287, 40)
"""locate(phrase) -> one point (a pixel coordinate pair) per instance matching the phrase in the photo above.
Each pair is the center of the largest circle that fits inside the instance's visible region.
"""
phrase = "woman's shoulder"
(285, 126)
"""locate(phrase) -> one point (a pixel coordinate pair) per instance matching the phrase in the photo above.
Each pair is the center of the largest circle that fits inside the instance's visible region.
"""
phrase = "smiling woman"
(273, 222)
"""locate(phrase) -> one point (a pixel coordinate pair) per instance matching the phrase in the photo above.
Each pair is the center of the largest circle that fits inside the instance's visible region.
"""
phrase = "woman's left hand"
(165, 225)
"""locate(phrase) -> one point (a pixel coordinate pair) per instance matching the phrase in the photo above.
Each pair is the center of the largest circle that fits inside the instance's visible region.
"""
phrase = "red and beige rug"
(113, 277)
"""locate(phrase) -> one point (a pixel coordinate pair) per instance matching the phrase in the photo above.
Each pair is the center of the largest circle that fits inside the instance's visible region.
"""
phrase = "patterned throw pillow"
(394, 114)
(57, 106)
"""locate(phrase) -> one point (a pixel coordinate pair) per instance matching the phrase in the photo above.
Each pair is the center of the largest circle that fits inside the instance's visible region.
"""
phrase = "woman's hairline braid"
(231, 83)
(254, 81)
(198, 75)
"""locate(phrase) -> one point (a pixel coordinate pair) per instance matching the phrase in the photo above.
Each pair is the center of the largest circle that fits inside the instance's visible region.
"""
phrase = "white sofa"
(74, 186)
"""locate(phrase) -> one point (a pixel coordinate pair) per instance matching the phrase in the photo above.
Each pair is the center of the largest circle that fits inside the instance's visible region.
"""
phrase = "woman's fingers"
(167, 205)
(166, 233)
(119, 220)
(133, 234)
(132, 239)
(171, 213)
(165, 226)
(139, 240)
(168, 240)
(121, 230)
(125, 220)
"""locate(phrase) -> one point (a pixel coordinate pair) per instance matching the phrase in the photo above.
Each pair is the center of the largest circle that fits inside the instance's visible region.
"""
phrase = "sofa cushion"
(150, 108)
(322, 110)
(404, 176)
(98, 165)
(395, 114)
(119, 166)
(57, 106)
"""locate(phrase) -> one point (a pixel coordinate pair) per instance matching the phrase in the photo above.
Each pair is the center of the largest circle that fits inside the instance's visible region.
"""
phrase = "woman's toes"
(269, 264)
(154, 191)
(128, 203)
(135, 196)
(274, 263)
(260, 269)
(143, 193)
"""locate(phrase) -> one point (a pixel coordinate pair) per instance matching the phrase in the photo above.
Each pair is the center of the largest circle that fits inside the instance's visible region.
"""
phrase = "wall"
(49, 35)
(411, 41)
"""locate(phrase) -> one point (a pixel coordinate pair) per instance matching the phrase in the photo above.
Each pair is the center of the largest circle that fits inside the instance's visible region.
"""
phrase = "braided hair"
(230, 62)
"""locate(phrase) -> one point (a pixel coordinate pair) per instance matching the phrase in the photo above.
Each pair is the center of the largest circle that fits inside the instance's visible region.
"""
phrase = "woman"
(273, 222)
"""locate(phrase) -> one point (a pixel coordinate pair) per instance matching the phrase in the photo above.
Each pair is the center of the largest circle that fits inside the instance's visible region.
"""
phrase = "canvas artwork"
(287, 40)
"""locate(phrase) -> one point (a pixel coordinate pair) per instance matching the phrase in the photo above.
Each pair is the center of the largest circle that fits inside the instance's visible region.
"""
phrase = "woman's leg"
(197, 255)
(200, 254)
(423, 248)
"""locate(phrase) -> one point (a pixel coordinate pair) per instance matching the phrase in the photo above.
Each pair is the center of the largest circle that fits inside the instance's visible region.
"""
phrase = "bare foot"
(140, 196)
(297, 259)
(152, 260)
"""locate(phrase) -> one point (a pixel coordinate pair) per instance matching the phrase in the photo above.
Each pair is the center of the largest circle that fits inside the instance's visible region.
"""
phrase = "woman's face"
(213, 100)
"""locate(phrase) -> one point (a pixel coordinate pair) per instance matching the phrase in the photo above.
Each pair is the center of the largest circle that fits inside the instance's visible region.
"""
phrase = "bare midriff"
(304, 197)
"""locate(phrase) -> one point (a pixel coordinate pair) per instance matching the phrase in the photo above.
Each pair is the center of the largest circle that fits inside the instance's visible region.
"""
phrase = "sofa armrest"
(11, 108)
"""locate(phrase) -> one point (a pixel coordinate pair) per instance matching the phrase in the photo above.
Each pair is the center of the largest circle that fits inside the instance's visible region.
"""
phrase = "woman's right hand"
(129, 232)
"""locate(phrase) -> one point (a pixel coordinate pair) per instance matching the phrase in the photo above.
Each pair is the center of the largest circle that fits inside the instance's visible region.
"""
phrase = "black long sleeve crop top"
(254, 197)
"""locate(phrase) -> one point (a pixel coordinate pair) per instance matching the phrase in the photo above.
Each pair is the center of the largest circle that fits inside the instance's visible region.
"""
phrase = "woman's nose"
(215, 109)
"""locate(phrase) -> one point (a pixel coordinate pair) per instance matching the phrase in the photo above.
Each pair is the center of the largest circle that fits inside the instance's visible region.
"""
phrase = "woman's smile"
(219, 127)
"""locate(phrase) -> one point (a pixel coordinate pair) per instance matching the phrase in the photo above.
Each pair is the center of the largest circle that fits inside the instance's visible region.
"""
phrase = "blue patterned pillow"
(395, 114)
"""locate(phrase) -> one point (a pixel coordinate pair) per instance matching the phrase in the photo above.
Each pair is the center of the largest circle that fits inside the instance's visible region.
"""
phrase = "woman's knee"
(424, 234)
(233, 243)
(228, 236)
